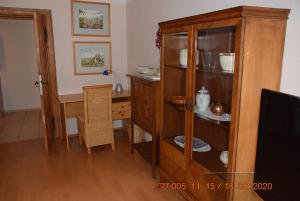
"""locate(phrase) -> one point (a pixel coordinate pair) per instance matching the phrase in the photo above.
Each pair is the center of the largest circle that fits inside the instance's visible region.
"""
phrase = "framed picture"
(91, 57)
(90, 18)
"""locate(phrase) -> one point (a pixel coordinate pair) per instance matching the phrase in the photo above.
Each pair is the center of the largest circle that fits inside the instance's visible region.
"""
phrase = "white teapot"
(202, 99)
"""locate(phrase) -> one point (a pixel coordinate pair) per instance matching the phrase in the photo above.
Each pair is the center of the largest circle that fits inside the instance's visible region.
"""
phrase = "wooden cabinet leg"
(132, 137)
(80, 138)
(154, 155)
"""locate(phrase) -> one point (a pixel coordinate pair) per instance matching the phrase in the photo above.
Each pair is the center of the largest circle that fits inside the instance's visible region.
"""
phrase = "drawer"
(121, 114)
(121, 106)
(121, 110)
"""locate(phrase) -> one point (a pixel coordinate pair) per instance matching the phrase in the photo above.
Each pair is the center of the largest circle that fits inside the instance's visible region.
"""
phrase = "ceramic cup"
(227, 61)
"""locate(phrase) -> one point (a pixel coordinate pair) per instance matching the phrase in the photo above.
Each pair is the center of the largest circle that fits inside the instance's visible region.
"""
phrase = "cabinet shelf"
(215, 72)
(145, 150)
(221, 124)
(170, 140)
(209, 160)
(180, 67)
(177, 107)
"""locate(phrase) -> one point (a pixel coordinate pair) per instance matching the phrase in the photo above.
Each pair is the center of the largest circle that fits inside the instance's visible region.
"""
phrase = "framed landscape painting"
(91, 57)
(90, 18)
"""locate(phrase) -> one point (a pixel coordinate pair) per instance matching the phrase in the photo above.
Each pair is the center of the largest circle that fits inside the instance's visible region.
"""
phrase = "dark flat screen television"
(278, 147)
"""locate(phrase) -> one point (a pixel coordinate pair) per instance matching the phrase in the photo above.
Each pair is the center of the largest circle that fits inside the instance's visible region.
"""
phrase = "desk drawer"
(121, 106)
(121, 114)
(121, 110)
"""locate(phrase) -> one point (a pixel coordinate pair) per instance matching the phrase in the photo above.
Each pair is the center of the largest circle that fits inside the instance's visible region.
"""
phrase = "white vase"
(202, 99)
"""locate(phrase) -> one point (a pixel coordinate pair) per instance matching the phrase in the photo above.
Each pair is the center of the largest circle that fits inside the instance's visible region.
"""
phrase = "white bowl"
(227, 61)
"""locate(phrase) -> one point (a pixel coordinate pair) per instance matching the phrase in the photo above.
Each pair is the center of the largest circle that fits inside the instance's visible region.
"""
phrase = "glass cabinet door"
(214, 70)
(175, 67)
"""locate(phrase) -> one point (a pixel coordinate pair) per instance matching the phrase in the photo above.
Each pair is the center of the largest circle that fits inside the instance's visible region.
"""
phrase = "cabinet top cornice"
(241, 11)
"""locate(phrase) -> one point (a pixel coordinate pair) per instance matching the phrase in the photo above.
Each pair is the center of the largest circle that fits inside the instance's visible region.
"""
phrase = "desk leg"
(64, 124)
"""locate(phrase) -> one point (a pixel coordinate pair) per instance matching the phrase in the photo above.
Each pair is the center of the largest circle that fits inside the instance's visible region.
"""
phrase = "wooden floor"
(27, 174)
(19, 126)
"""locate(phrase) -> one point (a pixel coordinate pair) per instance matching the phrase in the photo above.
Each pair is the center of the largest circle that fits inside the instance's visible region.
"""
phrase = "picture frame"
(90, 18)
(92, 57)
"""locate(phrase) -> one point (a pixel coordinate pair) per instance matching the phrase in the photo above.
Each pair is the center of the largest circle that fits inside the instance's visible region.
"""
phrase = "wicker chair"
(95, 127)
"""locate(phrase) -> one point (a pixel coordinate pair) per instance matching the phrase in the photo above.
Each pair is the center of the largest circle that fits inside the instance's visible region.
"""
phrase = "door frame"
(28, 14)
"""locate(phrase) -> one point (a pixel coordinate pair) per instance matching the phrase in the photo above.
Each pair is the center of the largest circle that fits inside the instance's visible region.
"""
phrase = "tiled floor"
(19, 126)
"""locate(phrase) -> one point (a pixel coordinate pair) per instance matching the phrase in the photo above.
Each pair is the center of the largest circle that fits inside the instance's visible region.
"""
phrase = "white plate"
(208, 114)
(198, 144)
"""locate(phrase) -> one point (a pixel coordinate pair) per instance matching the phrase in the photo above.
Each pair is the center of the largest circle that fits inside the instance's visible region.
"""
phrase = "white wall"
(18, 65)
(143, 16)
(61, 16)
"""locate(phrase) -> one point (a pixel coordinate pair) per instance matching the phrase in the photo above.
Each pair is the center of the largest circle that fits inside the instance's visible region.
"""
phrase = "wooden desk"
(71, 105)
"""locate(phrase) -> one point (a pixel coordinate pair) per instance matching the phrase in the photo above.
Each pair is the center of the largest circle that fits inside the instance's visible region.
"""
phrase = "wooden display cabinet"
(191, 59)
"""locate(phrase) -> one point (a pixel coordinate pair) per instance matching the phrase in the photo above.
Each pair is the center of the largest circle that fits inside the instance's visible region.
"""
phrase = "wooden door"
(212, 41)
(43, 62)
(175, 73)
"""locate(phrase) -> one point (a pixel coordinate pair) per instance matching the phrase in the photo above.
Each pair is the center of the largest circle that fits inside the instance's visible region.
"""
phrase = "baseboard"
(22, 110)
(73, 135)
(115, 129)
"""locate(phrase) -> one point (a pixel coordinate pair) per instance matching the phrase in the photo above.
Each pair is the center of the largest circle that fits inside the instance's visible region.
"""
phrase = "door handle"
(37, 83)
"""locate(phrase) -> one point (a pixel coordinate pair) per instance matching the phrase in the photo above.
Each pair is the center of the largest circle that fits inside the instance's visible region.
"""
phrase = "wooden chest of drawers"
(144, 112)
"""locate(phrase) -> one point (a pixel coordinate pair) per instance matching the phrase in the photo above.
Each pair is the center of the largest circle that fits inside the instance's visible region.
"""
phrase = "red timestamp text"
(173, 185)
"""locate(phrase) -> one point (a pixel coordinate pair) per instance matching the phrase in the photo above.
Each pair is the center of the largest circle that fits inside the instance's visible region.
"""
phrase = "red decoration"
(158, 39)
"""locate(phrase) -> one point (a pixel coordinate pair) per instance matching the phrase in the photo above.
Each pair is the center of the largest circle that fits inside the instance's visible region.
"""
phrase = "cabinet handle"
(191, 106)
(188, 106)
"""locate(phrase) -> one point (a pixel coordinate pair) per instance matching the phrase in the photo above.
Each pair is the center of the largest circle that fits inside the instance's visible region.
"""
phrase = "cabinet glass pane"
(214, 80)
(174, 87)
